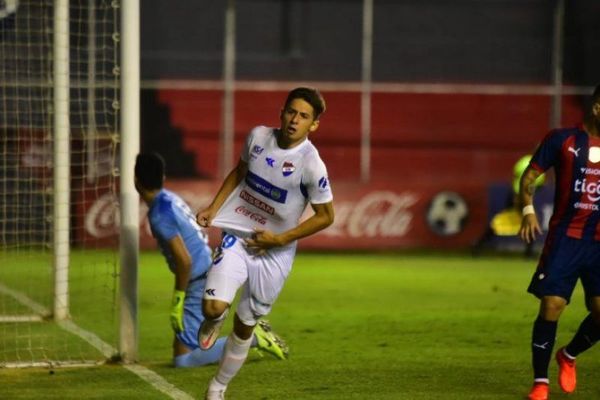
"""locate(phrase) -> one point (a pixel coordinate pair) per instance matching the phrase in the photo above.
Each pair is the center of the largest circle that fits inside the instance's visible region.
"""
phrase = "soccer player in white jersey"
(258, 207)
(185, 248)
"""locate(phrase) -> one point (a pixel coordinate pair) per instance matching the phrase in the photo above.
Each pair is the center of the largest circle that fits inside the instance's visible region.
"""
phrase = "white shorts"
(262, 277)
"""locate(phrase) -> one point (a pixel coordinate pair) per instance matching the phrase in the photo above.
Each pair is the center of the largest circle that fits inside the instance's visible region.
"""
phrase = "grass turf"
(360, 326)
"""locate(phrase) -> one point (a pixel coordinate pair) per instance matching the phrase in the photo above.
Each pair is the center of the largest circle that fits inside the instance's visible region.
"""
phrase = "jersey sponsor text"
(252, 215)
(266, 188)
(591, 188)
(256, 202)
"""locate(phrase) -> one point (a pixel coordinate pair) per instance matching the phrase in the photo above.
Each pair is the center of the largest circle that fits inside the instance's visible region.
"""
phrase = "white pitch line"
(23, 299)
(147, 375)
(21, 318)
(158, 382)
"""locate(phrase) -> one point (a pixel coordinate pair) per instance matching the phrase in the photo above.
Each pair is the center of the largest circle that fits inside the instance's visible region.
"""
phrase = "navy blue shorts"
(563, 261)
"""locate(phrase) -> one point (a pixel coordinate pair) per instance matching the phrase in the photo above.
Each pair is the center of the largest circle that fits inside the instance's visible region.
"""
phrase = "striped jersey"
(278, 186)
(575, 156)
(170, 216)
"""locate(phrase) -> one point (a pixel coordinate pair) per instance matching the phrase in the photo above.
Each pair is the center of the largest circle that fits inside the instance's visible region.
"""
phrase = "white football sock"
(234, 355)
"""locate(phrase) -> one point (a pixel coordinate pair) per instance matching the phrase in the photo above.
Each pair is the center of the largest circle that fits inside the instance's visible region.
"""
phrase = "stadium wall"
(377, 216)
(372, 216)
(437, 137)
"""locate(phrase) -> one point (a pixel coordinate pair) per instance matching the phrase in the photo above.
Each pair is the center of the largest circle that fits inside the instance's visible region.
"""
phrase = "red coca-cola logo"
(102, 217)
(377, 214)
(252, 215)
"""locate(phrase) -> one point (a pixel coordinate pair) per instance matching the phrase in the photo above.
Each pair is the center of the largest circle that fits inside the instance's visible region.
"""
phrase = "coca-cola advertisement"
(367, 216)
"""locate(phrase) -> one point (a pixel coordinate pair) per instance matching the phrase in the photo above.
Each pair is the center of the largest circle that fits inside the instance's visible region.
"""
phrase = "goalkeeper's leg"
(199, 357)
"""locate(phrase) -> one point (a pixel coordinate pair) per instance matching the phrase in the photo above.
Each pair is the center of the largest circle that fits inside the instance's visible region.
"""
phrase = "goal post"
(61, 159)
(130, 202)
(62, 63)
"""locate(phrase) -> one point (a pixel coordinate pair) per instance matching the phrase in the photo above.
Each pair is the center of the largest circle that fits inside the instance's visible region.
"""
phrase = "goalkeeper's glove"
(177, 310)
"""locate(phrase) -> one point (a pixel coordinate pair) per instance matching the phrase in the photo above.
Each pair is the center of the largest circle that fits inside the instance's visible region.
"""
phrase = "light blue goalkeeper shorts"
(192, 312)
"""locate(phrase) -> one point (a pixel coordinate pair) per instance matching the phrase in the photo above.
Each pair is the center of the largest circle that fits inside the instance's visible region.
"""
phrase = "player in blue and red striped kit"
(572, 247)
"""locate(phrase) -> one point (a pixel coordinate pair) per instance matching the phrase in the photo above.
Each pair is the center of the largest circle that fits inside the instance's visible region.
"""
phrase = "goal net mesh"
(29, 333)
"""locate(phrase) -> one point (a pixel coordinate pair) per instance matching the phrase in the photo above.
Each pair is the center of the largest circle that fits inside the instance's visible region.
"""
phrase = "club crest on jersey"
(594, 154)
(288, 168)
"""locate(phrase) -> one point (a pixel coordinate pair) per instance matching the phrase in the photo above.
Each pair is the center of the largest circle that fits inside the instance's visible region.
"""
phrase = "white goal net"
(58, 283)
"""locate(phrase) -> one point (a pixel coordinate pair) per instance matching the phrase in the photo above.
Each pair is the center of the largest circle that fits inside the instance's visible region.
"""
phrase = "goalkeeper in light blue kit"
(185, 247)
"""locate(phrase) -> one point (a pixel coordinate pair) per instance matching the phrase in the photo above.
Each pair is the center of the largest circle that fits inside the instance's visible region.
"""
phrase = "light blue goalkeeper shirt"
(170, 216)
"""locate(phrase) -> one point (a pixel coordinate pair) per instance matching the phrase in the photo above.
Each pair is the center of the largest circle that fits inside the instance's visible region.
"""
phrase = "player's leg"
(544, 334)
(199, 357)
(266, 276)
(553, 282)
(588, 333)
(215, 312)
(185, 343)
(589, 330)
(586, 336)
(248, 312)
(269, 342)
(227, 274)
(263, 339)
(234, 355)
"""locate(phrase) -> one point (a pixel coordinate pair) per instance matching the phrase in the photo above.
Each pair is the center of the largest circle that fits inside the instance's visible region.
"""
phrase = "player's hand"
(177, 310)
(530, 227)
(204, 217)
(261, 241)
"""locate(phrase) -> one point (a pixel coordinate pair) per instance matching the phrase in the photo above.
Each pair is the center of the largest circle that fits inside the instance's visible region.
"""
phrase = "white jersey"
(278, 186)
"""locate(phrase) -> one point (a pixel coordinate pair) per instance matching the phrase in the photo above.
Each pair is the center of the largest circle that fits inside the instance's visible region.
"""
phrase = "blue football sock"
(587, 335)
(542, 343)
(200, 357)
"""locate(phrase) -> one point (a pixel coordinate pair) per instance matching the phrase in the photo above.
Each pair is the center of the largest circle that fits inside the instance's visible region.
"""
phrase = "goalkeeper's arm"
(183, 262)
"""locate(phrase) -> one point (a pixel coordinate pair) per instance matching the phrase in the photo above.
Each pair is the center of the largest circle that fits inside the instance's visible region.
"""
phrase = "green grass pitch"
(359, 326)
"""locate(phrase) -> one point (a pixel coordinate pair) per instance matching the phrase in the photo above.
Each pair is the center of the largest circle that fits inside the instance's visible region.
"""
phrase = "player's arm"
(321, 219)
(205, 216)
(530, 225)
(183, 267)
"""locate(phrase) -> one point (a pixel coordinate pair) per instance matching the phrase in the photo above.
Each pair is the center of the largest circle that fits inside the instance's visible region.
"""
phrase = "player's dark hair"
(589, 102)
(311, 96)
(150, 170)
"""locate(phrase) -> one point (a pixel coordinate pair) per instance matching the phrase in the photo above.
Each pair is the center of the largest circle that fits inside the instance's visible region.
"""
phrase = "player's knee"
(552, 307)
(242, 329)
(213, 309)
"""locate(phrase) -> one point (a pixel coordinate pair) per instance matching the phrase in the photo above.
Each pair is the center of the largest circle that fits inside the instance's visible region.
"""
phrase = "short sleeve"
(315, 182)
(248, 145)
(548, 152)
